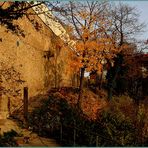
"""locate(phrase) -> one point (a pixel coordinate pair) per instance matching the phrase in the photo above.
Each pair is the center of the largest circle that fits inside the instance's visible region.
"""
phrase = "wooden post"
(9, 110)
(0, 93)
(61, 133)
(25, 103)
(97, 138)
(74, 134)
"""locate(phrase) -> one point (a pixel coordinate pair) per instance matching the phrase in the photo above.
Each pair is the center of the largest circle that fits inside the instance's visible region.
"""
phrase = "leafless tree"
(125, 22)
(125, 27)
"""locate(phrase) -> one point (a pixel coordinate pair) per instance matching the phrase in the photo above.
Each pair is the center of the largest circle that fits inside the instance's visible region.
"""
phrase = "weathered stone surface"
(32, 61)
(8, 125)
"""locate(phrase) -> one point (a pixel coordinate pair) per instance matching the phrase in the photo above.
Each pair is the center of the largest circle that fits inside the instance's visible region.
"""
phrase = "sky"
(142, 7)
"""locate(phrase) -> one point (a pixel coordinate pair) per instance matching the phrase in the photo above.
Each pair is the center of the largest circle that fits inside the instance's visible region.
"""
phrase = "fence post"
(74, 134)
(97, 138)
(61, 133)
(9, 105)
(25, 103)
(1, 94)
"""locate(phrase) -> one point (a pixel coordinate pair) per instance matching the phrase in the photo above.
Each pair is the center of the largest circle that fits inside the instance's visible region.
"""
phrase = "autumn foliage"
(110, 114)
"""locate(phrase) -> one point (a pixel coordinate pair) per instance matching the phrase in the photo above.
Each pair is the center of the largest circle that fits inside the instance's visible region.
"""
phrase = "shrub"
(119, 124)
(7, 139)
(54, 112)
(125, 122)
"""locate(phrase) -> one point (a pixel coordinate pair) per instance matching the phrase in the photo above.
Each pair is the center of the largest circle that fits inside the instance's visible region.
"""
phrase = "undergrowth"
(121, 123)
(7, 139)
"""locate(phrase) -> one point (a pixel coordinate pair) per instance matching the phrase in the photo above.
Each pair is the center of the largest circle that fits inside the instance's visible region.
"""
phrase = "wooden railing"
(76, 129)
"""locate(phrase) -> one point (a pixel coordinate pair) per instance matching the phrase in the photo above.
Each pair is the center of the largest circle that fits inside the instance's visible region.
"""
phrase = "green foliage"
(124, 122)
(46, 117)
(120, 124)
(7, 139)
(55, 111)
(117, 128)
(116, 76)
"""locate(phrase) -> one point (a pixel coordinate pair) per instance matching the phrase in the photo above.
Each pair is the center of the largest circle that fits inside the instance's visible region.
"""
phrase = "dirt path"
(28, 137)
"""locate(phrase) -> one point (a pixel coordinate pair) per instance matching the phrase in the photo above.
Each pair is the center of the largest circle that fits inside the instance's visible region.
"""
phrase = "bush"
(120, 124)
(7, 139)
(124, 122)
(54, 112)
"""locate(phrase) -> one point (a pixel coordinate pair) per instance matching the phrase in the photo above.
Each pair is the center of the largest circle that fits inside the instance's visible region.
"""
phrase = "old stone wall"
(30, 60)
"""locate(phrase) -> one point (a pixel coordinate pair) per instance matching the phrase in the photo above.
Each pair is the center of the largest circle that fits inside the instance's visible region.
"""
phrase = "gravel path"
(29, 138)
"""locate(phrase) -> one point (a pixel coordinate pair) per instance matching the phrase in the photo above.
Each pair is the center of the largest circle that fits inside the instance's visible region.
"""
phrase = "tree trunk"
(101, 79)
(78, 78)
(112, 84)
(81, 87)
(110, 92)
